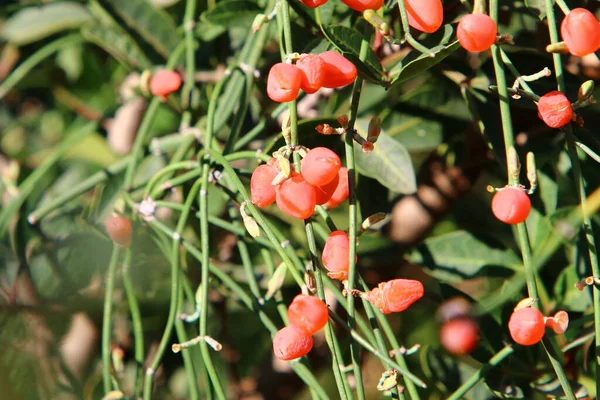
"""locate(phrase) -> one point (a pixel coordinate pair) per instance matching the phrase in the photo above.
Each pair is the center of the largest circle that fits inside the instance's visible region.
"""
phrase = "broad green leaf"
(461, 255)
(94, 149)
(34, 23)
(151, 23)
(567, 296)
(348, 41)
(120, 46)
(70, 60)
(389, 162)
(416, 62)
(232, 13)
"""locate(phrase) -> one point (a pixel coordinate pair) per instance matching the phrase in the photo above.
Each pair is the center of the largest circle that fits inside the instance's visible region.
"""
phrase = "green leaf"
(550, 386)
(34, 23)
(232, 13)
(121, 46)
(416, 62)
(461, 255)
(154, 25)
(389, 162)
(348, 41)
(567, 296)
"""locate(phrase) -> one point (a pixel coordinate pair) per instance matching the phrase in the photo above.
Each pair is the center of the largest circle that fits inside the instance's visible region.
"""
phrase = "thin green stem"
(190, 44)
(406, 29)
(476, 377)
(107, 318)
(188, 362)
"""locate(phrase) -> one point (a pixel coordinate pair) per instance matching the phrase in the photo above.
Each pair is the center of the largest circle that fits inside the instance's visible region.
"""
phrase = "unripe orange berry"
(320, 166)
(308, 313)
(460, 336)
(395, 295)
(291, 343)
(325, 192)
(555, 109)
(120, 230)
(262, 193)
(165, 82)
(313, 3)
(425, 15)
(313, 72)
(476, 32)
(339, 71)
(336, 255)
(363, 5)
(581, 32)
(296, 197)
(283, 82)
(526, 326)
(511, 205)
(341, 192)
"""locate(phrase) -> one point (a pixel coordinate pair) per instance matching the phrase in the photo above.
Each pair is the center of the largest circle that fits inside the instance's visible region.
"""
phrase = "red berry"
(396, 295)
(425, 15)
(320, 166)
(283, 83)
(476, 32)
(363, 5)
(336, 255)
(555, 109)
(341, 192)
(581, 32)
(291, 343)
(313, 72)
(165, 82)
(262, 193)
(511, 205)
(526, 326)
(459, 336)
(325, 192)
(120, 230)
(338, 70)
(308, 313)
(313, 3)
(296, 197)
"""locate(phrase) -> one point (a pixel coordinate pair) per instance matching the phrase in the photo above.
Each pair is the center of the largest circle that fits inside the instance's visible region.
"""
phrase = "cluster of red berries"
(527, 325)
(119, 230)
(581, 32)
(321, 181)
(306, 316)
(164, 82)
(555, 109)
(511, 205)
(310, 73)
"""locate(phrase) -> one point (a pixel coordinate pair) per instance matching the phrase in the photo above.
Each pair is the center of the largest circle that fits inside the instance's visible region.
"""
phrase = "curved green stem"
(107, 318)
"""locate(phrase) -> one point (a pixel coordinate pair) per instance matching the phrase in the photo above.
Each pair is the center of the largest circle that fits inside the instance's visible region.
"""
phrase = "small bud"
(279, 178)
(258, 22)
(114, 395)
(367, 147)
(310, 281)
(385, 29)
(531, 172)
(526, 302)
(514, 165)
(343, 120)
(375, 19)
(324, 129)
(374, 129)
(559, 48)
(276, 281)
(117, 355)
(585, 91)
(251, 226)
(580, 285)
(145, 82)
(284, 165)
(372, 220)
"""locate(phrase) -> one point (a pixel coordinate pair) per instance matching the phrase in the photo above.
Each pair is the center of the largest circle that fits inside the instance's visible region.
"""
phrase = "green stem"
(406, 29)
(476, 377)
(107, 318)
(136, 319)
(188, 362)
(190, 60)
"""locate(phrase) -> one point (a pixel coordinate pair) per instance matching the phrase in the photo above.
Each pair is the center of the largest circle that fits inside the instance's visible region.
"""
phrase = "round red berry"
(313, 3)
(526, 326)
(313, 72)
(555, 109)
(476, 32)
(511, 205)
(120, 230)
(283, 82)
(338, 70)
(320, 166)
(336, 255)
(363, 5)
(395, 295)
(165, 82)
(308, 313)
(296, 197)
(325, 192)
(341, 192)
(425, 15)
(262, 193)
(460, 336)
(291, 343)
(581, 32)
